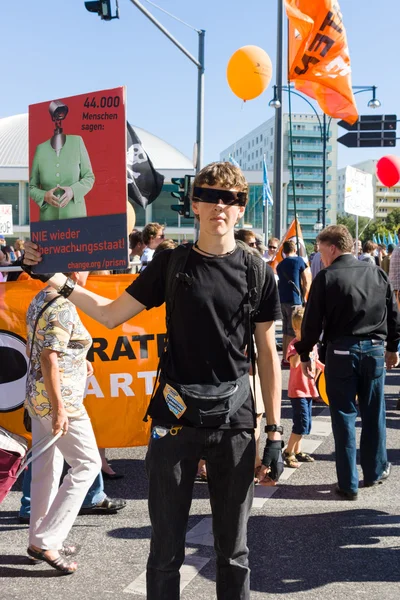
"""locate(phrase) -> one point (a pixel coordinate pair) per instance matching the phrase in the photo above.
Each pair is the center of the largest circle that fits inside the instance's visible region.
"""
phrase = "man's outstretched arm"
(110, 313)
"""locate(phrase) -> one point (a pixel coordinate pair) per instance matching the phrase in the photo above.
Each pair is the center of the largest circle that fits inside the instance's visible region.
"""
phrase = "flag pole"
(278, 142)
(266, 203)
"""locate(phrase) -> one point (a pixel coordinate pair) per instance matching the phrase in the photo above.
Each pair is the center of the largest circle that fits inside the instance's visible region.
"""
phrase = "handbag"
(27, 417)
(205, 405)
(14, 457)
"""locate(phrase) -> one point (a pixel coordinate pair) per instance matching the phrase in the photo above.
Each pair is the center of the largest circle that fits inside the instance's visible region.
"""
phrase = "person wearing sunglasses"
(246, 236)
(208, 334)
(152, 236)
(273, 244)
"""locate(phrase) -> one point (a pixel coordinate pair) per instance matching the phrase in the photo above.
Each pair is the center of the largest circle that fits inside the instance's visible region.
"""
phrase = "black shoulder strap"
(255, 275)
(176, 265)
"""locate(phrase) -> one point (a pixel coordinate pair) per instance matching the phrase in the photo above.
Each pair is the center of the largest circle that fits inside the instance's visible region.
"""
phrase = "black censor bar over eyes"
(321, 42)
(213, 196)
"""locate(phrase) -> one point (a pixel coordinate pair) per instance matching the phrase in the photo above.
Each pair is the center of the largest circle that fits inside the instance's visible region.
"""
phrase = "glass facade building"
(306, 160)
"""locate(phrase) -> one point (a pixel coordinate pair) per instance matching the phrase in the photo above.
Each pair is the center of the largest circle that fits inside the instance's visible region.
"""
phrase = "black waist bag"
(211, 405)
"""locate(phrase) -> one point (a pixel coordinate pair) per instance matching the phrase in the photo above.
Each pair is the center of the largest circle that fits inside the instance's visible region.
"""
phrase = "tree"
(392, 221)
(350, 222)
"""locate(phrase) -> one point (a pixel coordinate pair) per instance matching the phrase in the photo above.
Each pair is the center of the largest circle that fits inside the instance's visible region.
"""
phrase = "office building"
(307, 165)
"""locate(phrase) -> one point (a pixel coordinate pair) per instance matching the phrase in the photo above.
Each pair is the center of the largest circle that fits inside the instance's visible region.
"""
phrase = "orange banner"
(125, 362)
(290, 235)
(319, 60)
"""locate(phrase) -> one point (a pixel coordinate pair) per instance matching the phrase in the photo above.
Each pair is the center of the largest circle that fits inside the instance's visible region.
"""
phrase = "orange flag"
(290, 235)
(319, 60)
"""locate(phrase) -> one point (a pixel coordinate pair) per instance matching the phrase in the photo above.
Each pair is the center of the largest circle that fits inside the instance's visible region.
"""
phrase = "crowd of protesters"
(304, 315)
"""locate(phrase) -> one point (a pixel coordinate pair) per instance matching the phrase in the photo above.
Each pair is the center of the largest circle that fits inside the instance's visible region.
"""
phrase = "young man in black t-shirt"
(208, 335)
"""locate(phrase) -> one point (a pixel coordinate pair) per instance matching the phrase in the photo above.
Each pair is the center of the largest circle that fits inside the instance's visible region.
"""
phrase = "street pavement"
(304, 542)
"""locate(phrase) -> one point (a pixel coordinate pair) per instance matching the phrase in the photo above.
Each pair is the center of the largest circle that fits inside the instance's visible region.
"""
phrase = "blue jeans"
(357, 368)
(95, 494)
(171, 464)
(301, 415)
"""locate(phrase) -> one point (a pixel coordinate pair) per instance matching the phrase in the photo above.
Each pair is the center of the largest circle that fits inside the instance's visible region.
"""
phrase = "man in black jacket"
(353, 303)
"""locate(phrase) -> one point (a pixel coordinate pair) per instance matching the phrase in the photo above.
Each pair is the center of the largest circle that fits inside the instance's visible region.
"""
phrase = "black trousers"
(171, 464)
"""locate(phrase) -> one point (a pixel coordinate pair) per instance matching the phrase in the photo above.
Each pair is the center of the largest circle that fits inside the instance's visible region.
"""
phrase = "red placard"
(77, 186)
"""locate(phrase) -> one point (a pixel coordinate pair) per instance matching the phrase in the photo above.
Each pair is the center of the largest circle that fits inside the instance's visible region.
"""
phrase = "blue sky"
(55, 48)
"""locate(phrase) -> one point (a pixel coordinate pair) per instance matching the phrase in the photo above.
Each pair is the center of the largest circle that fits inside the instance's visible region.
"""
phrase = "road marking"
(310, 446)
(323, 428)
(262, 493)
(201, 533)
(191, 567)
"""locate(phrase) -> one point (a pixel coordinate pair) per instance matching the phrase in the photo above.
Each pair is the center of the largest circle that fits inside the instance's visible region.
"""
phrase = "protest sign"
(359, 193)
(77, 185)
(6, 223)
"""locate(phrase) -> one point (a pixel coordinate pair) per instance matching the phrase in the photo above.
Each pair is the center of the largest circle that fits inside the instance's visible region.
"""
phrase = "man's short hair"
(222, 174)
(337, 235)
(150, 231)
(368, 246)
(288, 247)
(135, 238)
(245, 235)
(274, 241)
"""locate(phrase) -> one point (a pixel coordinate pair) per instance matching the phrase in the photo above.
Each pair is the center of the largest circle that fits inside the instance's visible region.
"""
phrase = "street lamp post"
(324, 126)
(200, 79)
(278, 133)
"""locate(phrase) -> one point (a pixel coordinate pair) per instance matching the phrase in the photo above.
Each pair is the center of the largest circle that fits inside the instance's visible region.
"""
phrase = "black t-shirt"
(207, 337)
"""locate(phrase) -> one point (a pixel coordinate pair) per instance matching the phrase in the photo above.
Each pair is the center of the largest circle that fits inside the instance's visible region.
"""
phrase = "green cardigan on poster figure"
(60, 179)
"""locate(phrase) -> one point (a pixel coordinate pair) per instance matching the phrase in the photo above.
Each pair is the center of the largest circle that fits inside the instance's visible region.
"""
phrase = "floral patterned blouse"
(59, 329)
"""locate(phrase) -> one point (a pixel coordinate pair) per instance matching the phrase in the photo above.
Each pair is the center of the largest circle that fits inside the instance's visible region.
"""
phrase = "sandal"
(304, 457)
(59, 563)
(290, 460)
(67, 551)
(256, 475)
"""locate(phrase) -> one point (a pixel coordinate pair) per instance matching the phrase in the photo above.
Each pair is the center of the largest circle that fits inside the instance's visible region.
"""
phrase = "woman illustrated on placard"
(61, 172)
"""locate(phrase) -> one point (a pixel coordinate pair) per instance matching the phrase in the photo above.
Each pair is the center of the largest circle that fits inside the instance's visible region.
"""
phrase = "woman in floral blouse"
(54, 399)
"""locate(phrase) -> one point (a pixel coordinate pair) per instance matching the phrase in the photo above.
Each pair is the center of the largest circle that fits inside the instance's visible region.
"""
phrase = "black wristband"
(67, 288)
(273, 428)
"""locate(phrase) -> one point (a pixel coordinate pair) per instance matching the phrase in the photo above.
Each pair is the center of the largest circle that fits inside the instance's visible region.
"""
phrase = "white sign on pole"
(6, 222)
(359, 193)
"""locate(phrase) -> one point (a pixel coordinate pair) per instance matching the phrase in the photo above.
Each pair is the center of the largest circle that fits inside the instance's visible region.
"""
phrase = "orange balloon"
(321, 387)
(249, 72)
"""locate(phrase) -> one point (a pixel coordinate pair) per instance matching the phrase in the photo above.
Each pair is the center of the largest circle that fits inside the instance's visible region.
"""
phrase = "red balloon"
(388, 170)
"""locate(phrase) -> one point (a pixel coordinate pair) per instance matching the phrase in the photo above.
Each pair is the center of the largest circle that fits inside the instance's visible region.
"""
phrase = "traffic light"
(183, 195)
(102, 8)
